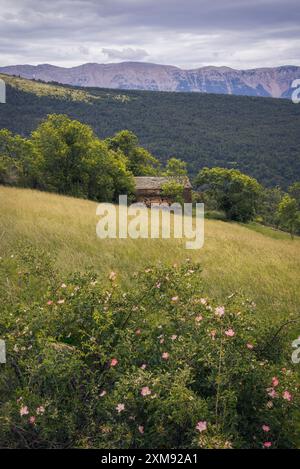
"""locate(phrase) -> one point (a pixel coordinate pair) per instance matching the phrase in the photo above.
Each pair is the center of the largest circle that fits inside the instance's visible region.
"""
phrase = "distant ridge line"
(273, 82)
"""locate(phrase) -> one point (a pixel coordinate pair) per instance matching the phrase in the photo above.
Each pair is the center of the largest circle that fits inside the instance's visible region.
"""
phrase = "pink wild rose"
(24, 410)
(145, 391)
(201, 426)
(230, 333)
(266, 428)
(120, 408)
(275, 381)
(287, 396)
(220, 311)
(267, 444)
(272, 393)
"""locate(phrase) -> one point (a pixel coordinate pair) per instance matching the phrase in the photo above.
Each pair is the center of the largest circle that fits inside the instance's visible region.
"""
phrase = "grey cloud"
(125, 54)
(189, 33)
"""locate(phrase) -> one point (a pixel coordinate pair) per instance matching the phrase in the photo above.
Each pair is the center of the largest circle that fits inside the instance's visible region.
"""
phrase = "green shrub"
(160, 366)
(215, 215)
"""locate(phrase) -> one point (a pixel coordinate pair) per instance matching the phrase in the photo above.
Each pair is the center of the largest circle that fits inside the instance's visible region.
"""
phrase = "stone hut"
(149, 189)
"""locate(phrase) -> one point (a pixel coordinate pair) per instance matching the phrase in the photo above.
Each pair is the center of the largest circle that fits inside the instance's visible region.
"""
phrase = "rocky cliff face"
(275, 82)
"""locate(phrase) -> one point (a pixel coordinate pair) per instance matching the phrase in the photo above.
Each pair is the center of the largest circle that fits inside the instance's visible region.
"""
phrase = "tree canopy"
(289, 216)
(235, 193)
(65, 156)
(140, 161)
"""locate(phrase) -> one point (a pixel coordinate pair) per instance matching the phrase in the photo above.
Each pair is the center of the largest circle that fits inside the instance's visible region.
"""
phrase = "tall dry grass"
(234, 257)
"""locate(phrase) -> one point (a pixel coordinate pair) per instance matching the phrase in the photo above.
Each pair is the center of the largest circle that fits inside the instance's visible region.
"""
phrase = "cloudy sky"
(186, 33)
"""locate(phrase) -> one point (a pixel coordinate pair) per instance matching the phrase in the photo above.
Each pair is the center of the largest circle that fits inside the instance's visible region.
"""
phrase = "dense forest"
(259, 136)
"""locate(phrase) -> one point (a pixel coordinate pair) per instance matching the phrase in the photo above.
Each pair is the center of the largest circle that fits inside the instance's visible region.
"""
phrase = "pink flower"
(275, 381)
(145, 391)
(230, 333)
(173, 337)
(114, 362)
(138, 332)
(103, 393)
(267, 444)
(175, 299)
(120, 408)
(24, 410)
(40, 410)
(158, 285)
(112, 276)
(50, 302)
(272, 393)
(31, 420)
(143, 366)
(141, 429)
(266, 428)
(198, 318)
(165, 356)
(287, 396)
(220, 311)
(250, 346)
(201, 426)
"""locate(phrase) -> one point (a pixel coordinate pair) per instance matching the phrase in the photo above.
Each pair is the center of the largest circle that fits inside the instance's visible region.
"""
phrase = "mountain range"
(266, 82)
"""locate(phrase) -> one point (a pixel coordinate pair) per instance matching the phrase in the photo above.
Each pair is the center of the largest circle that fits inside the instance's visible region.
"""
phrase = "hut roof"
(152, 182)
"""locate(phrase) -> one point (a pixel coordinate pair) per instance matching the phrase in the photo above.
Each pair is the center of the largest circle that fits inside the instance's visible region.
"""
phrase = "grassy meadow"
(256, 261)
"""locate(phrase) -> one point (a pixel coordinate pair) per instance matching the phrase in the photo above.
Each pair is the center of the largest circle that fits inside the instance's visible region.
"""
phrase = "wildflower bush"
(90, 365)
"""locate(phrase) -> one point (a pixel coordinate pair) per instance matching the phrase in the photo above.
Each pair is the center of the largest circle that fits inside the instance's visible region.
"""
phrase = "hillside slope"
(259, 136)
(275, 82)
(234, 257)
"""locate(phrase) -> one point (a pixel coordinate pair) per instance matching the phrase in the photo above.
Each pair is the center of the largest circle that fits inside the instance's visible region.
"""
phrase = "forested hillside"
(259, 136)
